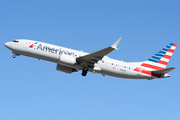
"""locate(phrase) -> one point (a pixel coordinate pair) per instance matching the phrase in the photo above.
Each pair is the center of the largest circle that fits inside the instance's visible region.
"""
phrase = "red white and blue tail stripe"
(160, 59)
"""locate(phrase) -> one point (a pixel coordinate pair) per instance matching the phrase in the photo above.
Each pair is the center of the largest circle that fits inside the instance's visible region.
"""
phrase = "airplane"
(70, 61)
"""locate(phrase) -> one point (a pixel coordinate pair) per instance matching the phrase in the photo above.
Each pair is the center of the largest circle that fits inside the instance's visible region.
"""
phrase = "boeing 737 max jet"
(69, 60)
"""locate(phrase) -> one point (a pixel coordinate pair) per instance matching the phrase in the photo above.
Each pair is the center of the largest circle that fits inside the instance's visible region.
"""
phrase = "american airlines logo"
(55, 51)
(32, 45)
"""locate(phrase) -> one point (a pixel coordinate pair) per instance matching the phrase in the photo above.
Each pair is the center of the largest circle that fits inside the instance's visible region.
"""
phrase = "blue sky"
(32, 89)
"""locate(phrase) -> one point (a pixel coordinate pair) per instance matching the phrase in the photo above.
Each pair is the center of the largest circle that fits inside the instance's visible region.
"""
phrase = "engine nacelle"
(65, 69)
(67, 59)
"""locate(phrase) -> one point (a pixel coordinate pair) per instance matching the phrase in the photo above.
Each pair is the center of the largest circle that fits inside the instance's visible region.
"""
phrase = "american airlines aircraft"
(69, 60)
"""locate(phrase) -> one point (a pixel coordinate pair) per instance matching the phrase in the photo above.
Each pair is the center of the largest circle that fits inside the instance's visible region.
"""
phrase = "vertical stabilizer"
(159, 60)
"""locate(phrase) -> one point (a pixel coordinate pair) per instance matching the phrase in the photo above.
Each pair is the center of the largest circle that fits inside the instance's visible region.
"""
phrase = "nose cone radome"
(7, 44)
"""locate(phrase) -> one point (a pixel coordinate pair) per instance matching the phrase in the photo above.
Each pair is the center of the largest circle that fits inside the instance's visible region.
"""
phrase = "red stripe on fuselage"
(147, 72)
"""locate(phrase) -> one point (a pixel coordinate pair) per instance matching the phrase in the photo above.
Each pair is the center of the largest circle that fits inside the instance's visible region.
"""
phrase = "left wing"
(93, 58)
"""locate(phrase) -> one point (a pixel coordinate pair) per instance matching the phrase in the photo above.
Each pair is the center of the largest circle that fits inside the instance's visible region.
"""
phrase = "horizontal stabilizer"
(163, 71)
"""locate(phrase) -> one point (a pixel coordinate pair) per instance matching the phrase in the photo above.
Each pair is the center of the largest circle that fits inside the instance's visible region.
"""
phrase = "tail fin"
(160, 59)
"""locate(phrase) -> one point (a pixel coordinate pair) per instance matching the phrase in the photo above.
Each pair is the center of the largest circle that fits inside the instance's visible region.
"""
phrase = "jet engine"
(65, 69)
(67, 59)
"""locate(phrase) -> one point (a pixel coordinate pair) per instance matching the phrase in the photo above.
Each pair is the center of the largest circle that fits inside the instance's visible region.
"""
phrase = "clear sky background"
(34, 90)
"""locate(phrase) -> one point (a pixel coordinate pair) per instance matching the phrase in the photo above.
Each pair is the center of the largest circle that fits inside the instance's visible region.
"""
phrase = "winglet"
(116, 43)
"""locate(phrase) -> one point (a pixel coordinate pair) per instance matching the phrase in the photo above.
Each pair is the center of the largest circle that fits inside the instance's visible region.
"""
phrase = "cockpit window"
(15, 41)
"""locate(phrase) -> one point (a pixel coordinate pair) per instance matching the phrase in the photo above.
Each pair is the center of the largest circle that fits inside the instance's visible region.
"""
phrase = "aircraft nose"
(6, 44)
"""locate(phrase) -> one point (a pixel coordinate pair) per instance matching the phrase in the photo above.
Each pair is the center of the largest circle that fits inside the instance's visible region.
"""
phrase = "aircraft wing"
(93, 58)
